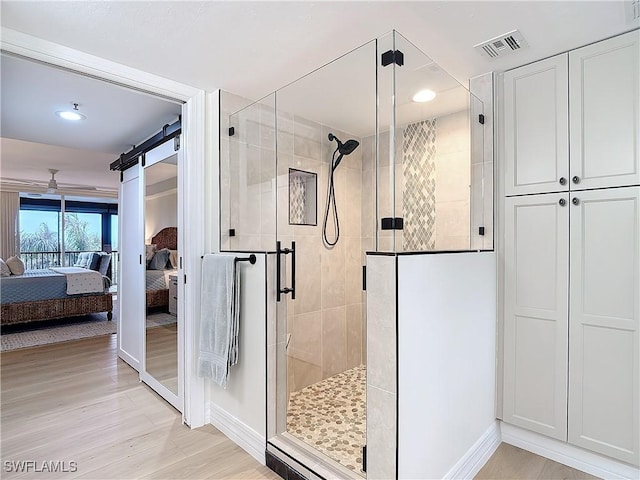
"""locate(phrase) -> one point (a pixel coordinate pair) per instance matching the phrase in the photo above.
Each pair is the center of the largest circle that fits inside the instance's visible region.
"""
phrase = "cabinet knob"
(575, 201)
(562, 202)
(562, 181)
(575, 179)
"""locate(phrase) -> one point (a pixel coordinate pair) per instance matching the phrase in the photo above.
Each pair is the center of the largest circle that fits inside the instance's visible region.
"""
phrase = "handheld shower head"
(348, 147)
(343, 149)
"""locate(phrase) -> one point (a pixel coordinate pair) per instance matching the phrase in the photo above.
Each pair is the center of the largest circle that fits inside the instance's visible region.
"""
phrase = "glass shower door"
(325, 124)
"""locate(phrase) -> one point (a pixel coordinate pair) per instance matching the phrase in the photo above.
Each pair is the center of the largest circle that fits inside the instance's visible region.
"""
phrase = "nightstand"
(173, 294)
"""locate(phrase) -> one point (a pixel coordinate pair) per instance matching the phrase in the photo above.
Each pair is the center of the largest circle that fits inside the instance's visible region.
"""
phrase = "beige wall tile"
(354, 335)
(353, 270)
(334, 341)
(452, 133)
(452, 219)
(452, 243)
(306, 332)
(333, 276)
(249, 211)
(452, 178)
(308, 274)
(381, 434)
(350, 203)
(381, 356)
(304, 374)
(307, 138)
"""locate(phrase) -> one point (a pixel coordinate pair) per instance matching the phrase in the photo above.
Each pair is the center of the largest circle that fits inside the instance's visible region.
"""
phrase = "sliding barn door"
(131, 280)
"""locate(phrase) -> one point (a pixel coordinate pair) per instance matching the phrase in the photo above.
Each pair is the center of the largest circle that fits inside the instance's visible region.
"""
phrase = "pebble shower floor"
(331, 416)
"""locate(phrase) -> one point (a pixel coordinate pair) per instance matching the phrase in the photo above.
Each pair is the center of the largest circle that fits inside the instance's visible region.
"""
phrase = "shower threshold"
(306, 460)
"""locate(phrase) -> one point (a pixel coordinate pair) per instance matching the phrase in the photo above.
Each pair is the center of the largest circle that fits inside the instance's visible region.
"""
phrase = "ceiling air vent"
(502, 44)
(632, 8)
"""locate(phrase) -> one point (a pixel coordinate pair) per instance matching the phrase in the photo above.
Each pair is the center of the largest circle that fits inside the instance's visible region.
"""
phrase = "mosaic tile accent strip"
(331, 416)
(419, 196)
(297, 199)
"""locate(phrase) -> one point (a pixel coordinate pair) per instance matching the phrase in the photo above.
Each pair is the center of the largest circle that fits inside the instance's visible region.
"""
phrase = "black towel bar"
(251, 259)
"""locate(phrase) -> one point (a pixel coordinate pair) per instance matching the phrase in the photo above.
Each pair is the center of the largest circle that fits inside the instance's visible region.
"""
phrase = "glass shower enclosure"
(342, 162)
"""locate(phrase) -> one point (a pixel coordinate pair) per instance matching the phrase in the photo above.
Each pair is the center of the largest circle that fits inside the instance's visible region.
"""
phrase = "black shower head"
(345, 148)
(348, 147)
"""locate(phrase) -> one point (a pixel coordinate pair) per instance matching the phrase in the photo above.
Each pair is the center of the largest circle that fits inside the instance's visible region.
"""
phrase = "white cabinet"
(572, 292)
(604, 105)
(536, 153)
(536, 308)
(571, 250)
(586, 102)
(604, 366)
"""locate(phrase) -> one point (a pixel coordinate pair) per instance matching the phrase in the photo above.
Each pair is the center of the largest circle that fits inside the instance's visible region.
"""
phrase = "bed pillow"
(173, 258)
(105, 260)
(5, 271)
(159, 260)
(83, 260)
(15, 265)
(94, 262)
(150, 251)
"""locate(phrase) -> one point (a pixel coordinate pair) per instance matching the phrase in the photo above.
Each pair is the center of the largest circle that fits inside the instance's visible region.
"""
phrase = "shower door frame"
(293, 451)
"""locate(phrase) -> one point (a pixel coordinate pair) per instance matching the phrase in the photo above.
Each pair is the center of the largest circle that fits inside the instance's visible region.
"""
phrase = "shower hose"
(331, 201)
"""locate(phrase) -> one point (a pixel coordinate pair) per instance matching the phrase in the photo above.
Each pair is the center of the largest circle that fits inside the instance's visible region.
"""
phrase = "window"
(39, 231)
(82, 232)
(88, 226)
(114, 232)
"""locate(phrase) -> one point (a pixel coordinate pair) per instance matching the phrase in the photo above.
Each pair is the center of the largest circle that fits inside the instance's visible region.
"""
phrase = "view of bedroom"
(161, 241)
(60, 211)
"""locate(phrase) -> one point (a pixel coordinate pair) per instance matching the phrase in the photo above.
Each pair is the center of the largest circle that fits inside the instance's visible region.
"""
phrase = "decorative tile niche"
(303, 197)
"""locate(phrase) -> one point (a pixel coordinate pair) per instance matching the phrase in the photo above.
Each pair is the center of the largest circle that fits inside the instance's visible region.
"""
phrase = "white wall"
(161, 210)
(446, 335)
(239, 411)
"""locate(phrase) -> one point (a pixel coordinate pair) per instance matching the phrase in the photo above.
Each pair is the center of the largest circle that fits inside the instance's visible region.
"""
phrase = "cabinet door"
(605, 113)
(604, 366)
(535, 309)
(536, 127)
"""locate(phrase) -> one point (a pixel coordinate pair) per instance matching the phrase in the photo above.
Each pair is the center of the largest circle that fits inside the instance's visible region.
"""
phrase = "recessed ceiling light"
(424, 96)
(73, 115)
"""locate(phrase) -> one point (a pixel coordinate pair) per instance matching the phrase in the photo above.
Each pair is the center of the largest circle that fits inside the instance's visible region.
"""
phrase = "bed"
(157, 281)
(43, 295)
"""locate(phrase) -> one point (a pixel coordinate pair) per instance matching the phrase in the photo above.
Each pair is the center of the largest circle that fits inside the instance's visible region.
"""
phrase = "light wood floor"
(162, 354)
(509, 462)
(76, 401)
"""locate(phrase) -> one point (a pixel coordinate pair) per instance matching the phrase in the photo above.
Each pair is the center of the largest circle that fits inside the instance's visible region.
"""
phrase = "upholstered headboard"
(166, 238)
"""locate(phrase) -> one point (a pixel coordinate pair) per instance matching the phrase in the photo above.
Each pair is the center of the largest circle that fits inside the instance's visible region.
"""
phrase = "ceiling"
(254, 48)
(35, 139)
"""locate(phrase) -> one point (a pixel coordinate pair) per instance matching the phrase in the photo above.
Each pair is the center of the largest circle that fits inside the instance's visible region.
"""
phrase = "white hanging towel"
(219, 317)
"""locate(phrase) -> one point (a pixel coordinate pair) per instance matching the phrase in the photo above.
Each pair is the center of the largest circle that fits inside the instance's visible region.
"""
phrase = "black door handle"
(285, 251)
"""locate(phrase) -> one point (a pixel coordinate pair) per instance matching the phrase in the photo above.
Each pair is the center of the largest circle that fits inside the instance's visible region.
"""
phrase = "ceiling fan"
(52, 185)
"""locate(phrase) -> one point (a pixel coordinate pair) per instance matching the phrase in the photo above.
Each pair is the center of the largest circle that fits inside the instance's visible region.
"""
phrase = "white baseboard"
(561, 452)
(475, 458)
(241, 434)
